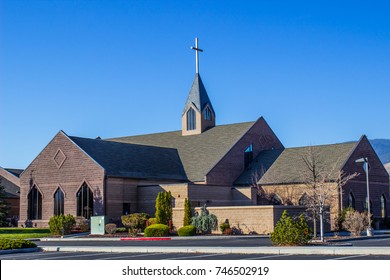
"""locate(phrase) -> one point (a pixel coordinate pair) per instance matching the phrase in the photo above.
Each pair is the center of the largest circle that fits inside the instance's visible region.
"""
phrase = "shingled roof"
(198, 95)
(287, 166)
(135, 161)
(9, 179)
(198, 153)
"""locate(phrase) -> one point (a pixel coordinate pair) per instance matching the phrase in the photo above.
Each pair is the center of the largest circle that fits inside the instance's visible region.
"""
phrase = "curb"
(229, 250)
(26, 250)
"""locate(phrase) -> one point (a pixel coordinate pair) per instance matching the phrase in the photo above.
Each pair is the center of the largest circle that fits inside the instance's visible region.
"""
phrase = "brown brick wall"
(75, 170)
(231, 166)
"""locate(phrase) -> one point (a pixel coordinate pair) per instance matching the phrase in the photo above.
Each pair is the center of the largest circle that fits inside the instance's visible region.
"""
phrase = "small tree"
(289, 231)
(163, 208)
(4, 206)
(187, 213)
(204, 222)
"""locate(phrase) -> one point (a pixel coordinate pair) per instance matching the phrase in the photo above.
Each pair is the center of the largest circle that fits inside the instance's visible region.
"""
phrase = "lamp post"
(365, 162)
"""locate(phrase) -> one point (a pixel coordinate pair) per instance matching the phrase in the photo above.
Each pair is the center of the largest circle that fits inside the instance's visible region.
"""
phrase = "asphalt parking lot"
(175, 256)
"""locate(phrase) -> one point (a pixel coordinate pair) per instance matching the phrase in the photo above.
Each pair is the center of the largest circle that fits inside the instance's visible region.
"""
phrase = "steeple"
(198, 114)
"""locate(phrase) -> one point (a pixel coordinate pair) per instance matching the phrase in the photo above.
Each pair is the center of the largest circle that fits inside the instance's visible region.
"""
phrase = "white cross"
(197, 50)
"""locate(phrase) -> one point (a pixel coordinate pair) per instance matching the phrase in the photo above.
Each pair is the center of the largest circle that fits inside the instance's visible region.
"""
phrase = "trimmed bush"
(163, 208)
(187, 231)
(61, 225)
(110, 228)
(135, 221)
(8, 244)
(156, 230)
(290, 232)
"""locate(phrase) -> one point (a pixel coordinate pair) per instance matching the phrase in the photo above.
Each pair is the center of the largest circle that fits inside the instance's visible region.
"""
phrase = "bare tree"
(321, 193)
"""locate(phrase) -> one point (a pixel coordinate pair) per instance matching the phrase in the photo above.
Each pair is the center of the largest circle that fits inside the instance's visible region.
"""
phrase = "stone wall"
(250, 219)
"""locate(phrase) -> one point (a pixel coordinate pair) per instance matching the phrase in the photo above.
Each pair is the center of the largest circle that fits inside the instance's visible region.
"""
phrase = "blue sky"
(318, 71)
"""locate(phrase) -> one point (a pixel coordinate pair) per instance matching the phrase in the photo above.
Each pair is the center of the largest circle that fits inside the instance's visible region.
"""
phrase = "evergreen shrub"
(291, 232)
(224, 226)
(8, 244)
(187, 231)
(187, 212)
(163, 208)
(152, 221)
(61, 224)
(156, 230)
(204, 222)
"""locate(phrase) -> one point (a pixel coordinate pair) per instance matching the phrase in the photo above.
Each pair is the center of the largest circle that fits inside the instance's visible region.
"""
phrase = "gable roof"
(10, 182)
(198, 153)
(135, 161)
(198, 95)
(290, 166)
(287, 166)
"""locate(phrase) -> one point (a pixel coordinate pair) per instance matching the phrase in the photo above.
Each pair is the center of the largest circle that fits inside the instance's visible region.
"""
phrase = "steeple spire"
(197, 50)
(198, 114)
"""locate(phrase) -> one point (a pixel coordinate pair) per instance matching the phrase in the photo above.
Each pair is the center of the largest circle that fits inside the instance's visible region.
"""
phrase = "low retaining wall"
(249, 219)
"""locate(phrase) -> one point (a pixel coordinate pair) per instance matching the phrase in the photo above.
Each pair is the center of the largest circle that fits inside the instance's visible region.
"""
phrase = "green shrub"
(61, 225)
(156, 230)
(204, 222)
(152, 221)
(163, 207)
(121, 229)
(224, 226)
(8, 244)
(187, 212)
(289, 231)
(110, 228)
(187, 231)
(135, 221)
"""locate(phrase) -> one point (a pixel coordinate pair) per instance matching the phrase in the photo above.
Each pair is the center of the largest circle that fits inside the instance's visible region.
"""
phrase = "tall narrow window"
(84, 202)
(351, 200)
(34, 204)
(58, 202)
(383, 207)
(207, 114)
(191, 119)
(248, 155)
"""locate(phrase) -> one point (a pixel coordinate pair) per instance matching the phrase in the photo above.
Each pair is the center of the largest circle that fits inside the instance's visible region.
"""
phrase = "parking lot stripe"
(125, 255)
(268, 257)
(348, 257)
(75, 256)
(195, 257)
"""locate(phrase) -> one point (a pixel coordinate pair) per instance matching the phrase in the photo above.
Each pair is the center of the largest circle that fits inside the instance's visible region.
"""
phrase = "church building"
(207, 163)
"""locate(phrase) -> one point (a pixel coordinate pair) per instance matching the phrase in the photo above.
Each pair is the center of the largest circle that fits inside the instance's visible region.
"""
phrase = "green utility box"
(98, 224)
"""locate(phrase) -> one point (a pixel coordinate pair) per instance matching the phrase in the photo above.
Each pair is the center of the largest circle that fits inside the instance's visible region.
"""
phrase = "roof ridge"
(324, 145)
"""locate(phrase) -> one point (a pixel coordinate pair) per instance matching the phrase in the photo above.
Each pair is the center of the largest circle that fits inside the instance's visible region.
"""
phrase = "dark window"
(383, 207)
(304, 200)
(126, 208)
(58, 202)
(84, 202)
(248, 155)
(207, 114)
(34, 204)
(191, 119)
(351, 201)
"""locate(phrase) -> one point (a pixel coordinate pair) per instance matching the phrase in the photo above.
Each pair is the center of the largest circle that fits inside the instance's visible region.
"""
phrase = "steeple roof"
(198, 96)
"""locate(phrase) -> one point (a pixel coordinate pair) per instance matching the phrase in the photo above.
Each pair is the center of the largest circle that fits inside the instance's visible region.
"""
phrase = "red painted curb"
(144, 238)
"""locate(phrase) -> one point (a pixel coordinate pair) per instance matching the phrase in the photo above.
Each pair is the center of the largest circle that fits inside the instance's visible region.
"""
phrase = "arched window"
(191, 119)
(34, 207)
(351, 200)
(84, 202)
(383, 207)
(304, 200)
(207, 114)
(276, 200)
(58, 202)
